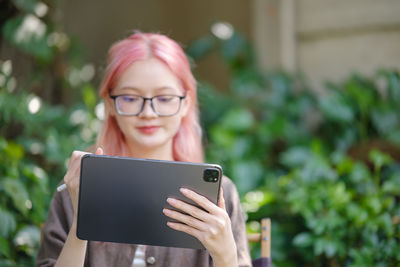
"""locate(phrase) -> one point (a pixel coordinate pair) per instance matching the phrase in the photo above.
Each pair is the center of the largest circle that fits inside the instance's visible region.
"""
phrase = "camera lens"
(211, 175)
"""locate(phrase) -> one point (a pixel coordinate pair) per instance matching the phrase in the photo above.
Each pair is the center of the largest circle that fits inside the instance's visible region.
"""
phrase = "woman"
(150, 112)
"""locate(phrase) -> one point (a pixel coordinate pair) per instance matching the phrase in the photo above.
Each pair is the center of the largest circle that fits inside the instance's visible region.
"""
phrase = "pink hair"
(139, 46)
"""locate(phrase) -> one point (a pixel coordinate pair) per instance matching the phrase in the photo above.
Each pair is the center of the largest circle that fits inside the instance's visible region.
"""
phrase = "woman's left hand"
(211, 227)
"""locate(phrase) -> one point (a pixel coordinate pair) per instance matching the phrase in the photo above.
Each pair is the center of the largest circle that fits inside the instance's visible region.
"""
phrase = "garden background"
(319, 156)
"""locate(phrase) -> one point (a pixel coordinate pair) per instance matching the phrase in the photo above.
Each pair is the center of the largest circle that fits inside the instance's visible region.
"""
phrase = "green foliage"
(325, 167)
(37, 135)
(29, 156)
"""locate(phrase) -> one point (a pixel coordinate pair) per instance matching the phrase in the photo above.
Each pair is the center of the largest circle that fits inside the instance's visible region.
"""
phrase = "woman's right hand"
(74, 249)
(71, 178)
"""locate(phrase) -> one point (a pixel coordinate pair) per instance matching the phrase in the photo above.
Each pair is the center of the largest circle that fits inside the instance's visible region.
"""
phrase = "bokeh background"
(299, 101)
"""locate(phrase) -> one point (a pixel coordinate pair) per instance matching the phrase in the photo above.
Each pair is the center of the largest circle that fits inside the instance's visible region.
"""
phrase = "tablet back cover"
(121, 199)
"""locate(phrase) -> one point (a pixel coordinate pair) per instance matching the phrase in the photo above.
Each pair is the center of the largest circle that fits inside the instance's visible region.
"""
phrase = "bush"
(325, 167)
(38, 125)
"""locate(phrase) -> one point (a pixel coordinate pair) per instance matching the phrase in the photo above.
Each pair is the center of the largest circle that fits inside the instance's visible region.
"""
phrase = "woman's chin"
(148, 142)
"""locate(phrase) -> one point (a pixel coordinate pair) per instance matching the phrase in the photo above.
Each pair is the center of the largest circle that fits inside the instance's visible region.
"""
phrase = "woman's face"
(147, 130)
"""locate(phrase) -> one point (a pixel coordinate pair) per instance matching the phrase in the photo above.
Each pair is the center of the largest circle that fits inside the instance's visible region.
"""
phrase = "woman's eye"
(127, 98)
(164, 98)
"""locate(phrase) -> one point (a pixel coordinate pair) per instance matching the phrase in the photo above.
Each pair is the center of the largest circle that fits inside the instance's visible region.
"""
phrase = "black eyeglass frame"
(114, 97)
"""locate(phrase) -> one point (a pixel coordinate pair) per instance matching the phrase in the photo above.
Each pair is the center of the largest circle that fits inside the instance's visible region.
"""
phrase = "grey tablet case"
(121, 199)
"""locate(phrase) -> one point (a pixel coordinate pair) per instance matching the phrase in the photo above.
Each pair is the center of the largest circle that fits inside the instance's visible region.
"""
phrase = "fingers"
(212, 228)
(189, 209)
(75, 162)
(186, 219)
(201, 201)
(99, 151)
(186, 229)
(208, 223)
(221, 201)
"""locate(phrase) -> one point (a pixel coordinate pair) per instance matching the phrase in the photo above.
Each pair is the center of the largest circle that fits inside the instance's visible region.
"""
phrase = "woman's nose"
(147, 110)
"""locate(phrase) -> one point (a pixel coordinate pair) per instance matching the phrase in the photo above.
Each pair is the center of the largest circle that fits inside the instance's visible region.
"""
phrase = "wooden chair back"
(264, 237)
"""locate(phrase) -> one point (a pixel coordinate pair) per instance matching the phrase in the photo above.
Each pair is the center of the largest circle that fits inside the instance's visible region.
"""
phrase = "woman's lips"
(148, 129)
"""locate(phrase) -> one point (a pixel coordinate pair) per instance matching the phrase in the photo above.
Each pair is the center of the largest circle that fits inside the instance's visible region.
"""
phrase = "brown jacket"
(101, 254)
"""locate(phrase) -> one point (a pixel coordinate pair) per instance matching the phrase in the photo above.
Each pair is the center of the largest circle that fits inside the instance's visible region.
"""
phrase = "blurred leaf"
(4, 247)
(200, 47)
(362, 92)
(279, 91)
(319, 246)
(213, 104)
(392, 82)
(385, 120)
(277, 125)
(6, 263)
(222, 136)
(345, 166)
(14, 151)
(335, 108)
(295, 157)
(374, 204)
(241, 147)
(17, 192)
(359, 173)
(379, 159)
(248, 83)
(357, 214)
(392, 186)
(316, 168)
(28, 239)
(238, 120)
(385, 222)
(7, 223)
(26, 5)
(38, 175)
(303, 240)
(89, 96)
(28, 33)
(394, 137)
(236, 52)
(330, 249)
(246, 174)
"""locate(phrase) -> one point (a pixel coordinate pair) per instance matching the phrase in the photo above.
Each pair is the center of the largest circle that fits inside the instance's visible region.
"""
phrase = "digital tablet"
(121, 199)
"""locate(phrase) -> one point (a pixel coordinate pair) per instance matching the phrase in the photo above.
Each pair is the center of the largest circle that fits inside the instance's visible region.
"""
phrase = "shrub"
(324, 167)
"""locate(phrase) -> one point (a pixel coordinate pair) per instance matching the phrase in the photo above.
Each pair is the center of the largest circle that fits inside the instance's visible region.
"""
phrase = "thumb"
(221, 201)
(99, 151)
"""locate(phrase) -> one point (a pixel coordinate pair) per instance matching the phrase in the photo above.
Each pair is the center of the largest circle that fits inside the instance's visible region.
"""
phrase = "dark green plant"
(324, 167)
(37, 133)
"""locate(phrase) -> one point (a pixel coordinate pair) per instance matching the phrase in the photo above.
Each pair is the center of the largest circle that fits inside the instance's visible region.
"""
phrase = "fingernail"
(171, 200)
(184, 190)
(166, 211)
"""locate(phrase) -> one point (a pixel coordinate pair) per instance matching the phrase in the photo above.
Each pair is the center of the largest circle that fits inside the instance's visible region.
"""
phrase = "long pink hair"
(139, 46)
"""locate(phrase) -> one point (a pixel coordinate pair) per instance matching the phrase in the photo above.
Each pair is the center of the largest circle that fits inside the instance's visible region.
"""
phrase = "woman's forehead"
(150, 75)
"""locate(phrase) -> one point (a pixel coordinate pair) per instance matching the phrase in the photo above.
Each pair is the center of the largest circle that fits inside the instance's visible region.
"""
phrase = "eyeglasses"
(162, 105)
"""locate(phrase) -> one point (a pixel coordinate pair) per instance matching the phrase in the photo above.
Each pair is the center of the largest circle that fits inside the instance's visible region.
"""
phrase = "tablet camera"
(211, 175)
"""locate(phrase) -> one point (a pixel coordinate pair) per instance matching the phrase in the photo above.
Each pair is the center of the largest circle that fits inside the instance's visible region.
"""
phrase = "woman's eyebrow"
(129, 88)
(165, 88)
(141, 91)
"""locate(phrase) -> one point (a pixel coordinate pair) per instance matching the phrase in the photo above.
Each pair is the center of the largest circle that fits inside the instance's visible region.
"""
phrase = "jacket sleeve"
(233, 208)
(55, 231)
